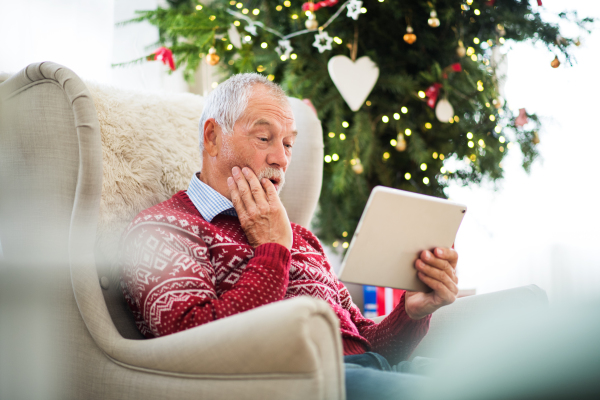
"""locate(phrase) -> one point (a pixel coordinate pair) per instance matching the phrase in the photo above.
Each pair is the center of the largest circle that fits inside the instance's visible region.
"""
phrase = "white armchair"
(77, 163)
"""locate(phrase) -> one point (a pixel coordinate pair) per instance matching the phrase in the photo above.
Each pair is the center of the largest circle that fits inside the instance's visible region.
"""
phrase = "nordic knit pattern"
(179, 271)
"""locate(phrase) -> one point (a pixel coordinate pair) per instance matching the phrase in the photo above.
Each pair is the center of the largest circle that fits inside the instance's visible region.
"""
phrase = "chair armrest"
(451, 322)
(296, 336)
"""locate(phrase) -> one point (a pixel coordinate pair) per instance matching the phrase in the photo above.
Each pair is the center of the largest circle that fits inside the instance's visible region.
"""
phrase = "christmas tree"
(435, 113)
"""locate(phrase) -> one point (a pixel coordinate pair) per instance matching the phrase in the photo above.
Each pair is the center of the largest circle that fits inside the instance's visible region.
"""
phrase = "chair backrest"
(149, 146)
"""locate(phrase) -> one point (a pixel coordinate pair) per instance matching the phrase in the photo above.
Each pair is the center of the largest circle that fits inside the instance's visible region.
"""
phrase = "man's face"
(262, 138)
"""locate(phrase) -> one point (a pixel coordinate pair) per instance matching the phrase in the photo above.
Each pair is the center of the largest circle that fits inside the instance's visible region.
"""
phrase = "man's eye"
(263, 139)
(289, 146)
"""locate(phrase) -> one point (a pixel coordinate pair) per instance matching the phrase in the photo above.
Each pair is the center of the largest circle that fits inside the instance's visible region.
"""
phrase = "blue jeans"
(370, 376)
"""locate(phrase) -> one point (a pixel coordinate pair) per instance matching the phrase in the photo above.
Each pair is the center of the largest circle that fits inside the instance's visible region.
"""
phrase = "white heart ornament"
(354, 80)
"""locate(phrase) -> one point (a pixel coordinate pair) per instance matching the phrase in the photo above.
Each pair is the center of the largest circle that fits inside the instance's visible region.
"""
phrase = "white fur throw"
(149, 152)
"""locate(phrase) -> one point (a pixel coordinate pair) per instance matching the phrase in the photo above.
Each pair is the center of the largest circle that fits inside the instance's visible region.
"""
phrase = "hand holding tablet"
(397, 228)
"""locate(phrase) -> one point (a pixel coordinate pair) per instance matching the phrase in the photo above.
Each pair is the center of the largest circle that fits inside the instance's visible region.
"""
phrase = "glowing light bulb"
(469, 135)
(229, 46)
(426, 180)
(427, 125)
(331, 134)
(404, 110)
(407, 176)
(476, 12)
(345, 234)
(502, 139)
(327, 158)
(435, 155)
(407, 132)
(198, 7)
(256, 11)
(470, 144)
(345, 245)
(498, 129)
(264, 45)
(385, 119)
(476, 40)
(342, 136)
(421, 94)
(335, 157)
(492, 118)
(423, 167)
(293, 56)
(396, 116)
(386, 155)
(393, 142)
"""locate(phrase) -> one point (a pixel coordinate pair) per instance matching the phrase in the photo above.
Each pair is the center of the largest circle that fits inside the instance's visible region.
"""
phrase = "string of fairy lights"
(285, 51)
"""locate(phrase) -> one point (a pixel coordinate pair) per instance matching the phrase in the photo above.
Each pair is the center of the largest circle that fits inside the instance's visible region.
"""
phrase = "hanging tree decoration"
(284, 49)
(354, 9)
(311, 23)
(409, 36)
(433, 21)
(460, 50)
(353, 78)
(444, 110)
(212, 58)
(400, 142)
(555, 63)
(322, 41)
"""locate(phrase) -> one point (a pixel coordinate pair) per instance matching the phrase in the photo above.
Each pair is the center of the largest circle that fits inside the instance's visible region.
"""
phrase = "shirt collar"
(208, 201)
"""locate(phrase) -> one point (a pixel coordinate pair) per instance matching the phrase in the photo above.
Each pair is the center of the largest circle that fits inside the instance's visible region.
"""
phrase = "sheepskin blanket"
(149, 152)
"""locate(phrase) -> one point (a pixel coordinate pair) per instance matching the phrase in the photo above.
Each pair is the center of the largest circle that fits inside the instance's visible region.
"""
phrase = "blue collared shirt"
(208, 201)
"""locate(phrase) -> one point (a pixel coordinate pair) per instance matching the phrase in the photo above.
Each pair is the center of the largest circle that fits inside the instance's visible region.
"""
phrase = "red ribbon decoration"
(432, 94)
(165, 55)
(310, 6)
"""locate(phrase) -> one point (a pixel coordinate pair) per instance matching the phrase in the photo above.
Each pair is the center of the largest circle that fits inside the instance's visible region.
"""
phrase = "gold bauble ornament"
(460, 50)
(555, 63)
(434, 21)
(401, 143)
(409, 36)
(536, 138)
(311, 23)
(212, 58)
(577, 42)
(357, 166)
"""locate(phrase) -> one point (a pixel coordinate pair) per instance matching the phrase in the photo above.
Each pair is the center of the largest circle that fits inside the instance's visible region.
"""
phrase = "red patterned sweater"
(179, 271)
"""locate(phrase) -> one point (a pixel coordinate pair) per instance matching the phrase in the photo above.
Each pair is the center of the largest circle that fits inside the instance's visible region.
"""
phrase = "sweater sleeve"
(168, 279)
(395, 337)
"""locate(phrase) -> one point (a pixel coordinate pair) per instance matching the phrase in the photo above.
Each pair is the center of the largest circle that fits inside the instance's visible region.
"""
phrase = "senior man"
(226, 246)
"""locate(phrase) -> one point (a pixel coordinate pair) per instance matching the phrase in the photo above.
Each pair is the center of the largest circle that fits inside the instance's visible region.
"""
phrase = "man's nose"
(277, 157)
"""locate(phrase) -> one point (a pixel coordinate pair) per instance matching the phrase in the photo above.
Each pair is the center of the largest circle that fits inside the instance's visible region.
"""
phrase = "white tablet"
(393, 230)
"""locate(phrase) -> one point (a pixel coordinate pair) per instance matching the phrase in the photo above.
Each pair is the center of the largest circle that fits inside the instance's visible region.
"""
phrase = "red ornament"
(539, 3)
(490, 3)
(310, 6)
(432, 94)
(456, 67)
(165, 55)
(522, 118)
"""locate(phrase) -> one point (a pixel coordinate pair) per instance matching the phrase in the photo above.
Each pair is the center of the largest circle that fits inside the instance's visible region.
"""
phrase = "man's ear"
(211, 137)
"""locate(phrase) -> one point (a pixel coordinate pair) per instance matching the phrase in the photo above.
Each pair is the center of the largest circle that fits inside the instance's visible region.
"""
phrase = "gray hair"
(229, 100)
